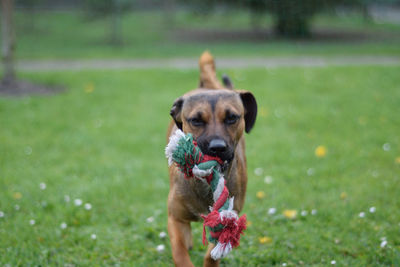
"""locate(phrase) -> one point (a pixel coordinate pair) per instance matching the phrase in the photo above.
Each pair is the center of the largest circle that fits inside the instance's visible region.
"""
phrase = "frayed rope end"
(221, 250)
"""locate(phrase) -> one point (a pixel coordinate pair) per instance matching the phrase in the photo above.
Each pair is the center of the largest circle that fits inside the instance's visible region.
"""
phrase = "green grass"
(106, 148)
(147, 35)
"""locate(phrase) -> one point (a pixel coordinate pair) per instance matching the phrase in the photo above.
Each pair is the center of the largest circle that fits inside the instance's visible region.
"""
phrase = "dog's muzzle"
(217, 147)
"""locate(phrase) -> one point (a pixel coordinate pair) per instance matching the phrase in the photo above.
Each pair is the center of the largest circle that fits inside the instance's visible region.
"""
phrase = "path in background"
(385, 14)
(189, 63)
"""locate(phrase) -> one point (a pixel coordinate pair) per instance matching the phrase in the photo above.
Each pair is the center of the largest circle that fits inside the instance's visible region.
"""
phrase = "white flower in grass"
(258, 171)
(93, 236)
(88, 206)
(63, 225)
(28, 150)
(150, 219)
(78, 202)
(17, 207)
(162, 235)
(268, 180)
(157, 212)
(361, 215)
(333, 262)
(271, 211)
(310, 171)
(1, 214)
(42, 186)
(67, 198)
(284, 264)
(372, 209)
(314, 212)
(98, 123)
(303, 213)
(386, 147)
(160, 248)
(383, 243)
(277, 113)
(32, 222)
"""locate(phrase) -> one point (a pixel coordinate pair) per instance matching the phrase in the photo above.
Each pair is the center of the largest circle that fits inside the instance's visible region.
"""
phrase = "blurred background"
(85, 93)
(142, 29)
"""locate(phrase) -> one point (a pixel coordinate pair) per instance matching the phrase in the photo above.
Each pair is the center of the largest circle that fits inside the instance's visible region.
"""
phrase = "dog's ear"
(176, 112)
(227, 81)
(250, 109)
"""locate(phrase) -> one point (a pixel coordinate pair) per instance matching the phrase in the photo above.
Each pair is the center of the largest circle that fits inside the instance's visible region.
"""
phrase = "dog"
(217, 116)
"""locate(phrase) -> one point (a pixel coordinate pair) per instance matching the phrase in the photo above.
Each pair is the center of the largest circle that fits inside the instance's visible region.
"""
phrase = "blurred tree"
(111, 9)
(9, 83)
(169, 10)
(8, 42)
(31, 7)
(292, 17)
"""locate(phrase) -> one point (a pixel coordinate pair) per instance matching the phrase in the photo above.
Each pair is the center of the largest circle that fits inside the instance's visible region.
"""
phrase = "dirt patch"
(215, 35)
(317, 35)
(24, 88)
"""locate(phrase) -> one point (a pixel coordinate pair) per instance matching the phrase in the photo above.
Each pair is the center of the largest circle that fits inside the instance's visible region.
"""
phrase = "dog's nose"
(217, 146)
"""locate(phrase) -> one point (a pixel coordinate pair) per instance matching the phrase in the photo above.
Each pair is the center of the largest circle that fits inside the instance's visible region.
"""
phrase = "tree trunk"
(116, 25)
(169, 13)
(365, 13)
(292, 17)
(255, 20)
(292, 26)
(8, 44)
(31, 25)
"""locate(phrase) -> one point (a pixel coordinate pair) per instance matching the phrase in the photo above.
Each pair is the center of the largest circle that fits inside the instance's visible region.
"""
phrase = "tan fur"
(189, 198)
(208, 78)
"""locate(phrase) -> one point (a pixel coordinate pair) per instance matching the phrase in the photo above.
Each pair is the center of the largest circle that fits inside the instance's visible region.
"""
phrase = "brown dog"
(217, 116)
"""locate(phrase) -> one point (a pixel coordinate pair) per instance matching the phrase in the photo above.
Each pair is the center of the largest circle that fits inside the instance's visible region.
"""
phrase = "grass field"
(101, 142)
(52, 34)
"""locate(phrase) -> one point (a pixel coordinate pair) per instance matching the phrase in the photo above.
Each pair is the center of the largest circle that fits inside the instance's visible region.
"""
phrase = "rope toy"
(224, 224)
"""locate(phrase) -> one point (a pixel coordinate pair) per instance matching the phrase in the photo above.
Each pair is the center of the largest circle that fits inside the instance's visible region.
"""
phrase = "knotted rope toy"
(224, 224)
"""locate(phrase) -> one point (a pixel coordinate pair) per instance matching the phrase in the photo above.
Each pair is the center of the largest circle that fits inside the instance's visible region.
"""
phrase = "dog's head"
(216, 118)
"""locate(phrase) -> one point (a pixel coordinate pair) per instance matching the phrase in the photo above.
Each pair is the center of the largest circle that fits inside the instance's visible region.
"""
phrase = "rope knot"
(224, 224)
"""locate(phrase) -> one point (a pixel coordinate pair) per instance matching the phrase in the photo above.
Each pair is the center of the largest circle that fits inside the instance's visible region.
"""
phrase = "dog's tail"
(208, 77)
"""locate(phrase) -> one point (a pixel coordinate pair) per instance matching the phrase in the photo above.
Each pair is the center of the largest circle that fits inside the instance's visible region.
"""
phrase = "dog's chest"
(197, 194)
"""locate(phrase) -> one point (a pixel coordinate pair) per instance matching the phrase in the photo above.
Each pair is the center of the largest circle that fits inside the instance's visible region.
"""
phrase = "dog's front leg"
(208, 261)
(180, 234)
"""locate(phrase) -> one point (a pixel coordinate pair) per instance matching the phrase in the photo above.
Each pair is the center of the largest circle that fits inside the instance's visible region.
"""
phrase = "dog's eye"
(231, 119)
(197, 122)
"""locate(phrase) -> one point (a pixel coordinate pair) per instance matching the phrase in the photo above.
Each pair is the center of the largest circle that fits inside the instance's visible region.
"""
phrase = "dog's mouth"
(226, 161)
(225, 165)
(225, 152)
(226, 157)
